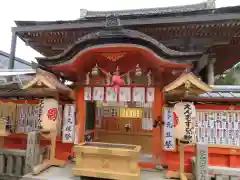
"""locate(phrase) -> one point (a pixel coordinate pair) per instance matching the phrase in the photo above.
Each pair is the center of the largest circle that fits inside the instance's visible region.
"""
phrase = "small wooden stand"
(181, 151)
(52, 161)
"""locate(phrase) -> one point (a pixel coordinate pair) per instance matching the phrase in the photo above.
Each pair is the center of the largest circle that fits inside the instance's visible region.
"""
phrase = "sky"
(51, 10)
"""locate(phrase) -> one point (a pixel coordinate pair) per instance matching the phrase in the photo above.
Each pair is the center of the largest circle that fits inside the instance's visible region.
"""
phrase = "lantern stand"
(51, 160)
(185, 87)
(182, 144)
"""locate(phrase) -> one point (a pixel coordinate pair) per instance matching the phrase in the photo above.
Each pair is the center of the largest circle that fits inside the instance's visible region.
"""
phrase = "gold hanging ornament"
(138, 71)
(95, 70)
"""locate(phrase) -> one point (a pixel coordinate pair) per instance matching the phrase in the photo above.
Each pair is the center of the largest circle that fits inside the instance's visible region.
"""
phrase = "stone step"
(225, 177)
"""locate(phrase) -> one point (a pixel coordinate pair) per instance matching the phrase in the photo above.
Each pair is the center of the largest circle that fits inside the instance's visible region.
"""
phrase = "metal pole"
(12, 51)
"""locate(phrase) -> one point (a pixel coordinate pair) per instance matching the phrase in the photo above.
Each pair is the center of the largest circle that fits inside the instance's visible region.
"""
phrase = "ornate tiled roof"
(223, 92)
(148, 11)
(218, 93)
(133, 37)
(24, 85)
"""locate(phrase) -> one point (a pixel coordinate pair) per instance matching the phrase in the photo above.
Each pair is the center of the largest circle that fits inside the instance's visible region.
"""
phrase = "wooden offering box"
(106, 160)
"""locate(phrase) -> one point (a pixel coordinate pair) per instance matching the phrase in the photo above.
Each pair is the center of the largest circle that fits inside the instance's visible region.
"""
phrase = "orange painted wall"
(217, 156)
(19, 141)
(157, 133)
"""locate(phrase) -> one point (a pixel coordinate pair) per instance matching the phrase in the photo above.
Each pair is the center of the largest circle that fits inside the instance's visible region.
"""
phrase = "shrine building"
(129, 67)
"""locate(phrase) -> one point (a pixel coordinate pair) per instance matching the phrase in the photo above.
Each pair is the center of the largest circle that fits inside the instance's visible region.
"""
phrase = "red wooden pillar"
(157, 143)
(81, 114)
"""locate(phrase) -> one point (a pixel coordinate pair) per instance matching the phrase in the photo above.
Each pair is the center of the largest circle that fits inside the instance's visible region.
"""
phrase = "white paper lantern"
(186, 114)
(50, 114)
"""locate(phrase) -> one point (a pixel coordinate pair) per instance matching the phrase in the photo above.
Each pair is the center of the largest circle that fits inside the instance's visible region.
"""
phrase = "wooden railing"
(14, 163)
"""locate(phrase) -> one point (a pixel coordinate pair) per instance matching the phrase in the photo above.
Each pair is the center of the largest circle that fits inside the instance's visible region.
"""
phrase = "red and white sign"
(150, 94)
(126, 94)
(98, 93)
(138, 94)
(111, 95)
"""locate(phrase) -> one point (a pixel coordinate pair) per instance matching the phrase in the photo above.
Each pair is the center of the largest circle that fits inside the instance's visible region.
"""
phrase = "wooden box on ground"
(106, 160)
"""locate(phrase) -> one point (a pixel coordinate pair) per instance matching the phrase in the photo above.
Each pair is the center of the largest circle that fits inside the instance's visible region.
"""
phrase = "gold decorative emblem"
(114, 56)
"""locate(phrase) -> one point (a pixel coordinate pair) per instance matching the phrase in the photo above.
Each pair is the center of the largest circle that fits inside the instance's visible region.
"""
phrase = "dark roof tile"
(148, 11)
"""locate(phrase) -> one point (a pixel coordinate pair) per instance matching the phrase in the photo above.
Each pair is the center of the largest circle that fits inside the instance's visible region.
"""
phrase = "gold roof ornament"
(187, 84)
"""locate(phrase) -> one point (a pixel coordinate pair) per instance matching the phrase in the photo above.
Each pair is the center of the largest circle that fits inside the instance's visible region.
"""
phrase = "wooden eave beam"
(201, 99)
(131, 22)
(32, 92)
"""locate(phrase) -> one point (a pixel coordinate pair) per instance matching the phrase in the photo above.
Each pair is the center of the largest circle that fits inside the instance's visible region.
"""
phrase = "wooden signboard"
(131, 113)
(215, 128)
(218, 127)
(33, 151)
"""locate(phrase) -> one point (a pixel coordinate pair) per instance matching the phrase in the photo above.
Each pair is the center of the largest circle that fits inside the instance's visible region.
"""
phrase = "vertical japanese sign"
(188, 122)
(169, 137)
(202, 162)
(68, 123)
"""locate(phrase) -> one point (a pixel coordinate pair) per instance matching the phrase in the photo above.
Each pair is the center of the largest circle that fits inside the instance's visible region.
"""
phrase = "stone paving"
(56, 173)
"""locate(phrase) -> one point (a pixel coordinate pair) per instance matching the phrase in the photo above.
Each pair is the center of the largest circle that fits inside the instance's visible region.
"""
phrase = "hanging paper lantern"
(138, 71)
(185, 113)
(95, 70)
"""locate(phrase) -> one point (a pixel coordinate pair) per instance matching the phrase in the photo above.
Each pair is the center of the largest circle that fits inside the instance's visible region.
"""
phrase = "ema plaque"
(202, 162)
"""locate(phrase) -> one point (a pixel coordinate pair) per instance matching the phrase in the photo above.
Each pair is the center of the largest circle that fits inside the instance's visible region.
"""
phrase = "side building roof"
(220, 93)
(4, 57)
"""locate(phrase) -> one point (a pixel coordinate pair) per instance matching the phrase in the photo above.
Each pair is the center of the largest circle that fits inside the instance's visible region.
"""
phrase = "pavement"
(65, 173)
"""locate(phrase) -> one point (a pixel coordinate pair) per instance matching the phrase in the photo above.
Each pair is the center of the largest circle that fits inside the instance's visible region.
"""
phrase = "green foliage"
(226, 79)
